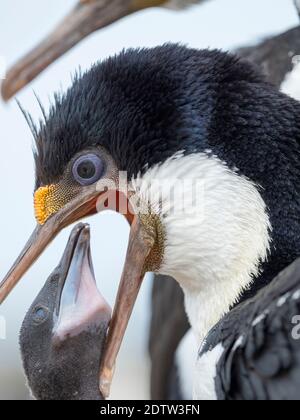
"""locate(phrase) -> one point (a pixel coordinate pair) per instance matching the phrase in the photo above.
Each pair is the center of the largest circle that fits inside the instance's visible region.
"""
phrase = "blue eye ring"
(40, 314)
(88, 169)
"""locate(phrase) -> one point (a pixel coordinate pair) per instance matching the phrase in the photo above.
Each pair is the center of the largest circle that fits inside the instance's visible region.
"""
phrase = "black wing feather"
(261, 360)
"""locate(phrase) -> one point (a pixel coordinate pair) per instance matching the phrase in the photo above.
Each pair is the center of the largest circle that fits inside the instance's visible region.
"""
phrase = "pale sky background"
(218, 23)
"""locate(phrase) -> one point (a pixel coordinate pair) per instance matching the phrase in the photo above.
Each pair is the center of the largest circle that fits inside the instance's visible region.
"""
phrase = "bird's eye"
(88, 169)
(40, 314)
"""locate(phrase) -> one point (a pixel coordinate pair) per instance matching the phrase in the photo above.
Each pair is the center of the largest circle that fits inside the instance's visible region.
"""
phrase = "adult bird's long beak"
(43, 235)
(87, 17)
(141, 243)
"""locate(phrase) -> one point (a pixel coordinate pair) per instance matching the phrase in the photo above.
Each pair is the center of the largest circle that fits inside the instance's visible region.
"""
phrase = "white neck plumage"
(216, 240)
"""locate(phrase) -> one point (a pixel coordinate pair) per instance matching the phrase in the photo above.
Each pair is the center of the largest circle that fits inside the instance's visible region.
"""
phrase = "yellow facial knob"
(46, 203)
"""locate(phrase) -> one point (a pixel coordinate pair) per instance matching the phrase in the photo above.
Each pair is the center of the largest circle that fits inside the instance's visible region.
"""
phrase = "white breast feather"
(214, 247)
(291, 83)
(205, 375)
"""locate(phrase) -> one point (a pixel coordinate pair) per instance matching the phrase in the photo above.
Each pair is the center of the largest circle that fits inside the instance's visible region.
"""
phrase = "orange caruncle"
(46, 203)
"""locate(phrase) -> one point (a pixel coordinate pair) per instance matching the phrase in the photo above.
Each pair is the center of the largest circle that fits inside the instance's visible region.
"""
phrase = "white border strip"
(3, 67)
(2, 328)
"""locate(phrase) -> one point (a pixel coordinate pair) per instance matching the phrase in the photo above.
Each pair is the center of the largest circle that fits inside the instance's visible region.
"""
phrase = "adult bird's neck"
(211, 300)
(206, 305)
(262, 140)
(216, 247)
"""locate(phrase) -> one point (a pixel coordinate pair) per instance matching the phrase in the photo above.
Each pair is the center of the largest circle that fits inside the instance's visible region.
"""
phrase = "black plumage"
(273, 57)
(261, 358)
(143, 106)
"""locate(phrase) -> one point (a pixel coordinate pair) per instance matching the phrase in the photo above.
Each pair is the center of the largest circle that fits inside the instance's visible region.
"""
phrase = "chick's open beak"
(80, 305)
(87, 17)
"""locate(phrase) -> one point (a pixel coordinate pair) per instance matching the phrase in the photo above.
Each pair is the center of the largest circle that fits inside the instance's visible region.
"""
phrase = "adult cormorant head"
(211, 155)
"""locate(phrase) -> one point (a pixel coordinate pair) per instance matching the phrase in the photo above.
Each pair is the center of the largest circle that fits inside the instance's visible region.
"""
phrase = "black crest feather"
(142, 106)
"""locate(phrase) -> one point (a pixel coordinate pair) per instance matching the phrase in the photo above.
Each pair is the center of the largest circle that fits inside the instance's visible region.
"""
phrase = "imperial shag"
(63, 334)
(173, 116)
